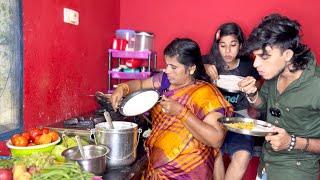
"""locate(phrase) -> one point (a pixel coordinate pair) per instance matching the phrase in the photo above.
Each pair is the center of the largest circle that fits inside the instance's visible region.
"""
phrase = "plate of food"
(229, 83)
(247, 126)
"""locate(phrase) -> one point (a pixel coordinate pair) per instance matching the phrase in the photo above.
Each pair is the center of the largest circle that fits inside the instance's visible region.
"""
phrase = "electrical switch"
(70, 16)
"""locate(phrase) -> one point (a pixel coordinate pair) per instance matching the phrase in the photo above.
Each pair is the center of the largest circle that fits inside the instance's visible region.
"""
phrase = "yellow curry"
(242, 125)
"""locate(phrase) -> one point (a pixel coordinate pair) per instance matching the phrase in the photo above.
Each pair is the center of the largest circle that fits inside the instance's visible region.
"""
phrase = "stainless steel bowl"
(96, 158)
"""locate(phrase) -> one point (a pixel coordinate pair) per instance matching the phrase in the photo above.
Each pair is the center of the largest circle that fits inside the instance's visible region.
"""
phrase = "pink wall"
(199, 19)
(63, 63)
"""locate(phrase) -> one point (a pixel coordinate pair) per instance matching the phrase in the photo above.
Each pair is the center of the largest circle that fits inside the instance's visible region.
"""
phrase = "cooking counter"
(132, 171)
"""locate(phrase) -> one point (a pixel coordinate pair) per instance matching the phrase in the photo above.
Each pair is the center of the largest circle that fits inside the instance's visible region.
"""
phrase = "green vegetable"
(69, 142)
(56, 152)
(68, 170)
(6, 163)
(40, 160)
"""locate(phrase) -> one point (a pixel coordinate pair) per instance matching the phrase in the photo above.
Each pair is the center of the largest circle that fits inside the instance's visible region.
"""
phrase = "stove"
(82, 125)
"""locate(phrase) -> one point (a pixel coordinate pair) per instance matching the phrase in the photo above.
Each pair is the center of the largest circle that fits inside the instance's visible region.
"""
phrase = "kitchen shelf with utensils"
(120, 55)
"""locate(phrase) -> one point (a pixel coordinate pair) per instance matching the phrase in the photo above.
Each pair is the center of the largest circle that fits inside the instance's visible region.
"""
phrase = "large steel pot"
(122, 141)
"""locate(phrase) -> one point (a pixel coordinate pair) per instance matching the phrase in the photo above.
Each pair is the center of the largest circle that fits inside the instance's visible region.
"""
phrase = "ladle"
(80, 147)
(108, 119)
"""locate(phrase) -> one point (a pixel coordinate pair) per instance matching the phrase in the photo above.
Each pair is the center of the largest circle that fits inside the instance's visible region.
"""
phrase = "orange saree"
(173, 152)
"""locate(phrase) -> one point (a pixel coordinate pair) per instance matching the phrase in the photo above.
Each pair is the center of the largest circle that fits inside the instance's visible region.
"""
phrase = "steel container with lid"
(122, 141)
(143, 41)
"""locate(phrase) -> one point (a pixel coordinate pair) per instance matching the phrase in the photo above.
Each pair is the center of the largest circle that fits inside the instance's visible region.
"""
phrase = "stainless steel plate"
(260, 128)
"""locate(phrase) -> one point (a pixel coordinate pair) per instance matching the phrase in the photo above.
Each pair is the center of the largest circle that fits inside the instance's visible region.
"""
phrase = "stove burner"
(83, 122)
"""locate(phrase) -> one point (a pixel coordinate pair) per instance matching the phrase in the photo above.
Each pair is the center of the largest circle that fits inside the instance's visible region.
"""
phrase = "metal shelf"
(130, 54)
(129, 75)
(119, 55)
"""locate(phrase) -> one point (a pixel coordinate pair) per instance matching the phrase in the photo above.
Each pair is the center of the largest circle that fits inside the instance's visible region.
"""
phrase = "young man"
(291, 96)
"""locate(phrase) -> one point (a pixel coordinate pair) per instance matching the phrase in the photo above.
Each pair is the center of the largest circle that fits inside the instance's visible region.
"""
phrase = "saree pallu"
(173, 152)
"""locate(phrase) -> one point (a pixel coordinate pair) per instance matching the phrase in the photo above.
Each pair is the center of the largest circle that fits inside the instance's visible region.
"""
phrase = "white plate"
(229, 82)
(139, 102)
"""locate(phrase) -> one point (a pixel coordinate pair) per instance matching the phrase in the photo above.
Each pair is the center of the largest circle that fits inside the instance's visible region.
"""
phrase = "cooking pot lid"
(139, 102)
(142, 33)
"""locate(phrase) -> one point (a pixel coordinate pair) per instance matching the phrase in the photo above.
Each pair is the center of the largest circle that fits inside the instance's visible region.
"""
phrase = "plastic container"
(134, 63)
(17, 151)
(119, 44)
(143, 41)
(128, 35)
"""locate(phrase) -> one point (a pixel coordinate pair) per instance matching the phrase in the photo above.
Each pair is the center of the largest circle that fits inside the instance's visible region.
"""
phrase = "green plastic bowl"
(17, 151)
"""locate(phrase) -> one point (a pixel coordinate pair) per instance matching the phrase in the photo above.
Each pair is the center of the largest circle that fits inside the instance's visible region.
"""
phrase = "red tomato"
(54, 135)
(13, 137)
(35, 132)
(37, 139)
(31, 144)
(20, 141)
(45, 139)
(26, 135)
(45, 130)
(6, 174)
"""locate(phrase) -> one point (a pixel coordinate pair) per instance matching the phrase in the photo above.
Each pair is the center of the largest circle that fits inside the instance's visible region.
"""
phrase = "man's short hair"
(279, 31)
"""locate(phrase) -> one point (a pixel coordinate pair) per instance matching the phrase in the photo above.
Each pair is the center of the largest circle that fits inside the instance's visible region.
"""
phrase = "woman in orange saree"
(185, 132)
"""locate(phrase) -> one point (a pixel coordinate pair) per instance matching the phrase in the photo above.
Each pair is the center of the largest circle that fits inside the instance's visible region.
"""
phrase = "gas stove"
(84, 122)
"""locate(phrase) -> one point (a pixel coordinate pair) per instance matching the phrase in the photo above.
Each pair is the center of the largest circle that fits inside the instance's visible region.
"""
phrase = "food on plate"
(241, 125)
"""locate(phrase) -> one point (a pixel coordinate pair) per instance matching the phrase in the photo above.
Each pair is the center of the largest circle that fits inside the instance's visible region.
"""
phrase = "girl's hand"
(170, 106)
(212, 71)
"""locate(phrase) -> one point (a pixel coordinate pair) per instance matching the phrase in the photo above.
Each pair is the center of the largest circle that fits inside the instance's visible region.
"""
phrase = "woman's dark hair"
(279, 31)
(188, 53)
(225, 29)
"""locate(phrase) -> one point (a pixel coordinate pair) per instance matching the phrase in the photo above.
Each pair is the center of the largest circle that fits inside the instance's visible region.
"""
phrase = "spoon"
(80, 147)
(108, 119)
